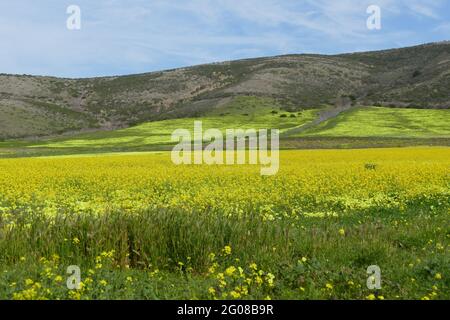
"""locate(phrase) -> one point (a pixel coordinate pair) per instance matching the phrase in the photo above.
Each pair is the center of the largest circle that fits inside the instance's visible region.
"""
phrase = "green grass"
(363, 127)
(172, 260)
(242, 112)
(385, 122)
(33, 118)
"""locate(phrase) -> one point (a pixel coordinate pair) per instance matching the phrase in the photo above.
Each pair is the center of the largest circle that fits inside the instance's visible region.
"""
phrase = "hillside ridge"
(415, 77)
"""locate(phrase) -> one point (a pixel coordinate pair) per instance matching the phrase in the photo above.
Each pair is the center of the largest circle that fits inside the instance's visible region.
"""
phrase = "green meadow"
(241, 112)
(386, 122)
(360, 127)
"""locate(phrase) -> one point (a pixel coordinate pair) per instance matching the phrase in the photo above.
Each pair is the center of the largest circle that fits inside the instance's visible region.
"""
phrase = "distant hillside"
(416, 77)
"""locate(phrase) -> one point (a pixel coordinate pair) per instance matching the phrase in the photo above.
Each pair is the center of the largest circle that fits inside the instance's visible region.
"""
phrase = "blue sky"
(134, 36)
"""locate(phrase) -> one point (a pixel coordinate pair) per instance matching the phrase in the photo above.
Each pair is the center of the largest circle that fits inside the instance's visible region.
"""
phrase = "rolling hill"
(414, 77)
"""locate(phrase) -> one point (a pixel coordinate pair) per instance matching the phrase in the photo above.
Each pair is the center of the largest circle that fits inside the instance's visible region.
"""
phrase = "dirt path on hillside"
(324, 115)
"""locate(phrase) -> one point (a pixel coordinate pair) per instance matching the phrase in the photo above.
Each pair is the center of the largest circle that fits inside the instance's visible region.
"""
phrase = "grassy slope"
(386, 122)
(33, 118)
(357, 128)
(242, 112)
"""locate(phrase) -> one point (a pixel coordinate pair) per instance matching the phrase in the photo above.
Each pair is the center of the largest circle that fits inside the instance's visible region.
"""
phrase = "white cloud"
(424, 10)
(120, 36)
(443, 27)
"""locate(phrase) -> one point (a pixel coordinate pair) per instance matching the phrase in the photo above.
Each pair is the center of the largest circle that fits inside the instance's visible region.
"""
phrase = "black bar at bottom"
(223, 309)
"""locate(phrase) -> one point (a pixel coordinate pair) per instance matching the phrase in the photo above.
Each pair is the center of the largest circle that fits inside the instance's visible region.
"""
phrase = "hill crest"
(417, 77)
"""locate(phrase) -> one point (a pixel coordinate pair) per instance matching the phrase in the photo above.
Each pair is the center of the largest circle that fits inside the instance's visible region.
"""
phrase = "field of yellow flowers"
(140, 227)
